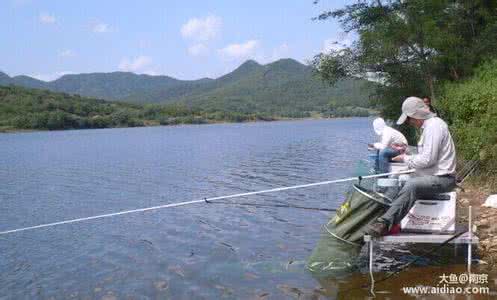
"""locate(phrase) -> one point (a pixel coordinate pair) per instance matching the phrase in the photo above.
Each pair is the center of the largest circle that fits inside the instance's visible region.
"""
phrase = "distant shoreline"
(10, 130)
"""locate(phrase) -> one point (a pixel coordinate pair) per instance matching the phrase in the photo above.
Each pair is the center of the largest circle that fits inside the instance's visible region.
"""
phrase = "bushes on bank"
(471, 110)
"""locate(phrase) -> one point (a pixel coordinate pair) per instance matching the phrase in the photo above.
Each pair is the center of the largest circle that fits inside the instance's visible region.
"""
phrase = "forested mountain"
(22, 80)
(283, 87)
(24, 108)
(109, 86)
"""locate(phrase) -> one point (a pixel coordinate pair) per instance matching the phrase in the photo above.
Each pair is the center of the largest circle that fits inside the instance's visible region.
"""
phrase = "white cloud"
(202, 29)
(198, 50)
(239, 51)
(50, 76)
(46, 18)
(101, 28)
(67, 53)
(140, 64)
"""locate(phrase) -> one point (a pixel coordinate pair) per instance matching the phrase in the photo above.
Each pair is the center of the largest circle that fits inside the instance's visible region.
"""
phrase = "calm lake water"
(198, 251)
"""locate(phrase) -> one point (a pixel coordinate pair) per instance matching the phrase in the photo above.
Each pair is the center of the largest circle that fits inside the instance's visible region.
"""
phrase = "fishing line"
(275, 205)
(205, 200)
(465, 172)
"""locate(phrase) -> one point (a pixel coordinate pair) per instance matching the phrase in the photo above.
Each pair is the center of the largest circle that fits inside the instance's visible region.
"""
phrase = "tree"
(121, 117)
(56, 120)
(411, 45)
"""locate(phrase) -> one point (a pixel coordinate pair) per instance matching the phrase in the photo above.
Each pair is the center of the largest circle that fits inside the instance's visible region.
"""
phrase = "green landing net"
(342, 237)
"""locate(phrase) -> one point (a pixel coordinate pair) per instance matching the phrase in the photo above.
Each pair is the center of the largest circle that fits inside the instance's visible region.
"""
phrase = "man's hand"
(398, 158)
(399, 147)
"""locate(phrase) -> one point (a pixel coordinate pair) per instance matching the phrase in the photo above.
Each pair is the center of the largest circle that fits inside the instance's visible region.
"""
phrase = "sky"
(184, 39)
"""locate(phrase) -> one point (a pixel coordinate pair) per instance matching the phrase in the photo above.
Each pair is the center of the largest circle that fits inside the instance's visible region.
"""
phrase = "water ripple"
(198, 251)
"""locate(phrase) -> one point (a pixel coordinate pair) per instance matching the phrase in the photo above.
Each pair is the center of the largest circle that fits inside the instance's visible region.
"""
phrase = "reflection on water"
(393, 278)
(357, 286)
(199, 251)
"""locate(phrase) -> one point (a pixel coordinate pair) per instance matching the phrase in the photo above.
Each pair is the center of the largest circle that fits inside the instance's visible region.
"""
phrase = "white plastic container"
(432, 216)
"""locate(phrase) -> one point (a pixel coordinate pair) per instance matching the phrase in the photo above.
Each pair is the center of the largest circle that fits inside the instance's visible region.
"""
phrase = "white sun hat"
(414, 107)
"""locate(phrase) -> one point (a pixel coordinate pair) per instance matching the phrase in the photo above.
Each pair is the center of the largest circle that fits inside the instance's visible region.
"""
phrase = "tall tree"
(411, 45)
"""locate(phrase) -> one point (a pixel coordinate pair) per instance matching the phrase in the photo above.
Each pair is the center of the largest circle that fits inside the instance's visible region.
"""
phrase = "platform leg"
(371, 266)
(371, 255)
(470, 233)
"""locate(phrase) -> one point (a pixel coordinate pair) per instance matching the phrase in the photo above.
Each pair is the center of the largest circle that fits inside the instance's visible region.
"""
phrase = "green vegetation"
(285, 88)
(471, 106)
(39, 109)
(413, 46)
(335, 109)
(108, 86)
(425, 47)
(22, 108)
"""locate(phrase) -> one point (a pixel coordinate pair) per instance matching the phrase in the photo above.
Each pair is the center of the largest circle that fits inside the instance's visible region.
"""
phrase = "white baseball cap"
(379, 125)
(414, 107)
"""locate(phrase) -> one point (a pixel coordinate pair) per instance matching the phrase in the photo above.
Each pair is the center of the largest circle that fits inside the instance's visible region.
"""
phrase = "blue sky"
(183, 39)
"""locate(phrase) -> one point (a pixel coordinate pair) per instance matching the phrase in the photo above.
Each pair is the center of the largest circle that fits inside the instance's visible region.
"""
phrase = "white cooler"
(432, 215)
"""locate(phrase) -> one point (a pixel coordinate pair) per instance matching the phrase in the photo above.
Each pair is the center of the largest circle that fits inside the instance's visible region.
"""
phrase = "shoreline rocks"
(484, 219)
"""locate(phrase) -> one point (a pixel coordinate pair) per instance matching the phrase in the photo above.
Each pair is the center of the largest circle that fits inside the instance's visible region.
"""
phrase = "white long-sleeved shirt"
(436, 150)
(390, 136)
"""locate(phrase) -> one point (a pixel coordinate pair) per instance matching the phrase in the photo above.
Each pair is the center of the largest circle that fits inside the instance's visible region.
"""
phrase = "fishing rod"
(205, 200)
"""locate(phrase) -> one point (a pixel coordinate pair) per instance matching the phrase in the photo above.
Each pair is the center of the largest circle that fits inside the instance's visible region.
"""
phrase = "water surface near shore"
(197, 251)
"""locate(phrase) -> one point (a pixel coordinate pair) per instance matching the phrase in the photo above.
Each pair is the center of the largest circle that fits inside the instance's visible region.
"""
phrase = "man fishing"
(392, 144)
(435, 164)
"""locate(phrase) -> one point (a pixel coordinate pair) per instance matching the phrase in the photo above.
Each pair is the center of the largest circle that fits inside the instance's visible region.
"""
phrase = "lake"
(198, 251)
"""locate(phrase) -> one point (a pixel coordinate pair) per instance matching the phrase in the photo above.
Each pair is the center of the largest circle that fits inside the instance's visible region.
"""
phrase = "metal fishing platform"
(433, 238)
(462, 234)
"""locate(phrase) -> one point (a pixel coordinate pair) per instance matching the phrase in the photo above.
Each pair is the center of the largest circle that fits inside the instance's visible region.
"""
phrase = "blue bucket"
(374, 160)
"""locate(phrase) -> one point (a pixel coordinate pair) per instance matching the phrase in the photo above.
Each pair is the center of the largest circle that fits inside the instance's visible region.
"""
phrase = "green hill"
(110, 86)
(23, 108)
(285, 87)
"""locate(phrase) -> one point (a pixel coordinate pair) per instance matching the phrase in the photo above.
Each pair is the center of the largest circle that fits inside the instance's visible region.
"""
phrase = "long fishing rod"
(205, 200)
